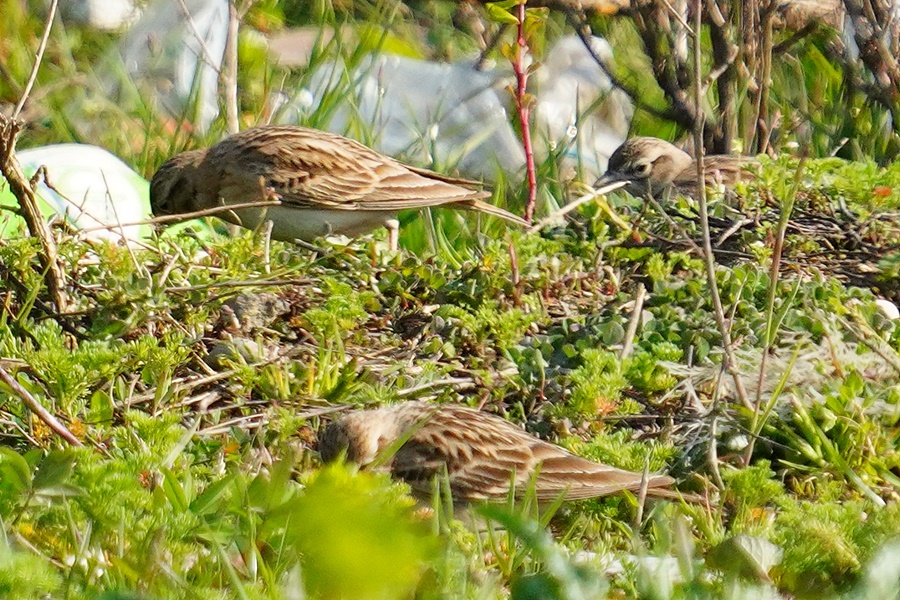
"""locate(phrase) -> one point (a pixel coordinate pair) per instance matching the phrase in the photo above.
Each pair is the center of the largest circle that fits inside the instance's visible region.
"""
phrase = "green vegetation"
(198, 478)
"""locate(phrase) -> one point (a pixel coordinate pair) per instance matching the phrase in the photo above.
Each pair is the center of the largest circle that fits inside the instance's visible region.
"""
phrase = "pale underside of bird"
(482, 455)
(655, 166)
(325, 184)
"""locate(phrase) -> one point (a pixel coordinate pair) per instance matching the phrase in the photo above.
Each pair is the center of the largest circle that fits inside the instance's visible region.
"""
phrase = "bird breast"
(288, 226)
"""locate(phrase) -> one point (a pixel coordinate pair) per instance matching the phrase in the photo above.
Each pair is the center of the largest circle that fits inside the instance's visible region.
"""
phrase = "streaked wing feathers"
(316, 169)
(581, 478)
(718, 168)
(483, 454)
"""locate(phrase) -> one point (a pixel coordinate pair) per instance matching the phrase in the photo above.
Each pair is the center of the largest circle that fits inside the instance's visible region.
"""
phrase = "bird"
(325, 184)
(482, 454)
(655, 166)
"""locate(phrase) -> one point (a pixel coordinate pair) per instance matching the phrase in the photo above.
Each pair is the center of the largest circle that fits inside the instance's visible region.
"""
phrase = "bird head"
(173, 190)
(361, 436)
(649, 165)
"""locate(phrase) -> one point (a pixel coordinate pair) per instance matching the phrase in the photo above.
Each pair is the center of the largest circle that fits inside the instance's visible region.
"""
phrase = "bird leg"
(393, 227)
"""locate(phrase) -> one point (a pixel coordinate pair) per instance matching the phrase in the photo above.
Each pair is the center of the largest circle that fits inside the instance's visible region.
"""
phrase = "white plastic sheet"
(454, 116)
(429, 113)
(169, 54)
(93, 188)
(106, 15)
(569, 83)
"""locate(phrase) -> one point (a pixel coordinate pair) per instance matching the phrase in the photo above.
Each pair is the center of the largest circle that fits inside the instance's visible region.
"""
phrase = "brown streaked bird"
(326, 184)
(653, 165)
(483, 453)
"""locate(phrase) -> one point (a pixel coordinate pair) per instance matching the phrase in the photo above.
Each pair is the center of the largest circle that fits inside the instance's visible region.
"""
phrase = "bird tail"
(656, 492)
(494, 210)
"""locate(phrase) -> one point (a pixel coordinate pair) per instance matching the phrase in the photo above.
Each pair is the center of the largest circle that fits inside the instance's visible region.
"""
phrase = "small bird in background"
(326, 184)
(482, 454)
(655, 166)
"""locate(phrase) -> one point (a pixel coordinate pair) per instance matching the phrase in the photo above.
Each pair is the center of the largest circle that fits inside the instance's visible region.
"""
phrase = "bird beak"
(609, 178)
(609, 183)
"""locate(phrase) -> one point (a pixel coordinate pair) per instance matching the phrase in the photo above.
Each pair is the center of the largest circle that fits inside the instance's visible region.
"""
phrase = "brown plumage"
(481, 453)
(326, 184)
(653, 165)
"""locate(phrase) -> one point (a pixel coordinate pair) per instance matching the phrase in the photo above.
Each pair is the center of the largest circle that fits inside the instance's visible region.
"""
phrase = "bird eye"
(642, 169)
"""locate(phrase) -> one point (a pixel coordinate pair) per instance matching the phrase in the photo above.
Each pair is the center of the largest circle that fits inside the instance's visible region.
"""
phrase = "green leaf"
(612, 333)
(209, 500)
(506, 4)
(573, 581)
(173, 491)
(102, 408)
(498, 14)
(356, 539)
(15, 474)
(535, 586)
(54, 469)
(746, 556)
(62, 490)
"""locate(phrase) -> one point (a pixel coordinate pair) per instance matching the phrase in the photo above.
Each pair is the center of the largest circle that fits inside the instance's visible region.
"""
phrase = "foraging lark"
(325, 183)
(482, 453)
(653, 165)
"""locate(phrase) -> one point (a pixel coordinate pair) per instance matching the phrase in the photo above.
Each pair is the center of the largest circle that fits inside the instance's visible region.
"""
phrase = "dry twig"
(206, 55)
(22, 188)
(730, 363)
(37, 226)
(39, 411)
(229, 71)
(37, 60)
(634, 321)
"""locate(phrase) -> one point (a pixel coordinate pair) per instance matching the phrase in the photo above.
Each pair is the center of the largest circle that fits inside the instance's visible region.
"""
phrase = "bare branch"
(228, 74)
(37, 226)
(37, 60)
(39, 411)
(206, 54)
(730, 363)
(206, 212)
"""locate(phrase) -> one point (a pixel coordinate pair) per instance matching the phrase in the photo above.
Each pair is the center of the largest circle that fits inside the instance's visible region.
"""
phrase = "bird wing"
(477, 450)
(725, 168)
(308, 168)
(484, 454)
(562, 473)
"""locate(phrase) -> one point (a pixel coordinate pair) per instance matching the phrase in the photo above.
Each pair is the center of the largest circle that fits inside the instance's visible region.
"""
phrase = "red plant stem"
(523, 106)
